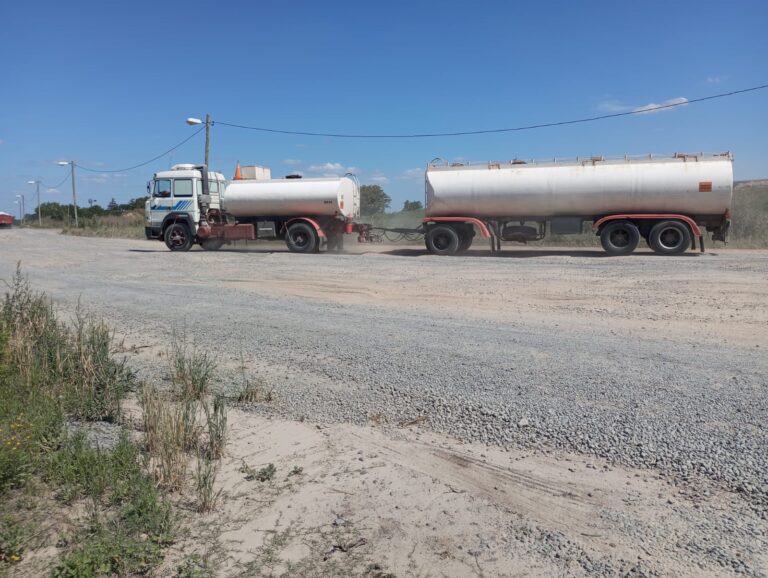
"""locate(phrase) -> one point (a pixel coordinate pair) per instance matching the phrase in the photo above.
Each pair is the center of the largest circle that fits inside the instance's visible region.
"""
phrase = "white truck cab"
(175, 198)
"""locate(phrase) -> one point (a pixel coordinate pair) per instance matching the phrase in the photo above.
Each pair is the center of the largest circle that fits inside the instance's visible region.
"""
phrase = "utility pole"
(208, 123)
(39, 216)
(74, 192)
(23, 209)
(207, 137)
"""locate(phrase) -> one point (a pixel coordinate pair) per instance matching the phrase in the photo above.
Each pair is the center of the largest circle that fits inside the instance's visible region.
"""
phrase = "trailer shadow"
(529, 253)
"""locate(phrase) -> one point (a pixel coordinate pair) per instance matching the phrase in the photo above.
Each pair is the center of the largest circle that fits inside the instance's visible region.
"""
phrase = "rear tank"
(696, 185)
(293, 197)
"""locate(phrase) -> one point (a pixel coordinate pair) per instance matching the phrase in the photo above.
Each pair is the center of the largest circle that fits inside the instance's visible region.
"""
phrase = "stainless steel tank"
(687, 184)
(293, 197)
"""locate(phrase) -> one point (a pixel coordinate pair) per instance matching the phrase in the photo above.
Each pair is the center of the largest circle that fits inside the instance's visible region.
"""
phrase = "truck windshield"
(162, 188)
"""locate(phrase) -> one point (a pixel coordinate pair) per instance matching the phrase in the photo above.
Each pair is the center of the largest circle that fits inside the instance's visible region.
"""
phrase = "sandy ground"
(415, 502)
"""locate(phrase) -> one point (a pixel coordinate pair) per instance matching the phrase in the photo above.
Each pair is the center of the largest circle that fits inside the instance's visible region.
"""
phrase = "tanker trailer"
(309, 214)
(189, 205)
(668, 201)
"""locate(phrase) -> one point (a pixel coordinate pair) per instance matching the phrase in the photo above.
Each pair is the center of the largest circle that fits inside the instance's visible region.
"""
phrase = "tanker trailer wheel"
(465, 240)
(619, 237)
(442, 240)
(670, 238)
(301, 238)
(212, 244)
(177, 237)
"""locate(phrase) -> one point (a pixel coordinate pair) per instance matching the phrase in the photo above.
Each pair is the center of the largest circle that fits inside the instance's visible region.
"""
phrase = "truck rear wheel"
(669, 238)
(619, 237)
(177, 237)
(442, 240)
(301, 238)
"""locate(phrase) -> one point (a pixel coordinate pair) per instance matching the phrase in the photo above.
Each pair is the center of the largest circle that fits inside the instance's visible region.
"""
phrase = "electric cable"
(642, 110)
(64, 180)
(194, 134)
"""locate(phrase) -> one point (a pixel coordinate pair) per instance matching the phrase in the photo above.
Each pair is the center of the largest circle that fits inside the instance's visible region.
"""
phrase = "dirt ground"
(382, 495)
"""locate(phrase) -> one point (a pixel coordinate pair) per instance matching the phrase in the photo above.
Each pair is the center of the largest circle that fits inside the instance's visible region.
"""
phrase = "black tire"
(619, 237)
(670, 238)
(465, 241)
(302, 238)
(212, 244)
(177, 237)
(442, 240)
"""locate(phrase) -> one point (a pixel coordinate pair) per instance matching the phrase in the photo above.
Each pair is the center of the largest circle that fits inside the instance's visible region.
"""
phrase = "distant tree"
(53, 211)
(373, 200)
(113, 207)
(412, 206)
(133, 204)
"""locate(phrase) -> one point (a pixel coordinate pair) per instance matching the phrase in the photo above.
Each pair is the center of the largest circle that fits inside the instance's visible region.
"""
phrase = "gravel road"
(647, 361)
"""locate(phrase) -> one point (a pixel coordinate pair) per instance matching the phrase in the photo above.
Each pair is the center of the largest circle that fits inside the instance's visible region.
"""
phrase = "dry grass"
(127, 226)
(165, 434)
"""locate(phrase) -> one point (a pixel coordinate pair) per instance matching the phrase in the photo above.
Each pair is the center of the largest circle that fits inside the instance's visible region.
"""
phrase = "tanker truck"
(190, 205)
(667, 201)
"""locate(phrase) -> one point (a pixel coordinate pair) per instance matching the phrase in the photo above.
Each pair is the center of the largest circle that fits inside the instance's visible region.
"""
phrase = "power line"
(498, 130)
(170, 150)
(64, 180)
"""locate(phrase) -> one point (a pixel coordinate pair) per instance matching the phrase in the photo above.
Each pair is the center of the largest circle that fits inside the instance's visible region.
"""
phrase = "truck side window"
(182, 188)
(213, 186)
(162, 188)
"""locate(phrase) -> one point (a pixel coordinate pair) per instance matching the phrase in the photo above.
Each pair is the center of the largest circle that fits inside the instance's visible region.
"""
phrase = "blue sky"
(110, 84)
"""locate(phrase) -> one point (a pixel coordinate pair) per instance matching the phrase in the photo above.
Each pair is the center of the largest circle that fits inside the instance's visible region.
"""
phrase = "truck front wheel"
(669, 238)
(619, 237)
(177, 237)
(301, 238)
(442, 240)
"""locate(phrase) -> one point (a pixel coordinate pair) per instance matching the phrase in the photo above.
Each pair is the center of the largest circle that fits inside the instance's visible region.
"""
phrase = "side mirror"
(149, 187)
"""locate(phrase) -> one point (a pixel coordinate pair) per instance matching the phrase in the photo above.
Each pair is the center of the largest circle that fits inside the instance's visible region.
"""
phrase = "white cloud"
(713, 80)
(613, 106)
(652, 107)
(378, 177)
(411, 174)
(332, 169)
(325, 167)
(291, 162)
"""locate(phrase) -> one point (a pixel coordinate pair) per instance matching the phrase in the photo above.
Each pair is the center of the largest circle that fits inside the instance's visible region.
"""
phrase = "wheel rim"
(178, 237)
(441, 241)
(300, 239)
(670, 238)
(620, 238)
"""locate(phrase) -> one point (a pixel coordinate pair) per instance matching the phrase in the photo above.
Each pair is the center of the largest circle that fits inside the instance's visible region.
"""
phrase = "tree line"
(374, 201)
(62, 212)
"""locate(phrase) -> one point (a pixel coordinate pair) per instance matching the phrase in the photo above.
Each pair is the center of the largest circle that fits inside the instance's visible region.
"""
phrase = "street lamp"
(208, 123)
(74, 194)
(39, 217)
(21, 219)
(23, 208)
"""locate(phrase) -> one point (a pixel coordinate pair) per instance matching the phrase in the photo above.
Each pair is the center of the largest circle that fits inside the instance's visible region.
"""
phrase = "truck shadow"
(529, 253)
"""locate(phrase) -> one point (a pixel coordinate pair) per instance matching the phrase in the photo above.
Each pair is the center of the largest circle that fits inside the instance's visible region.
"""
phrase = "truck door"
(161, 202)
